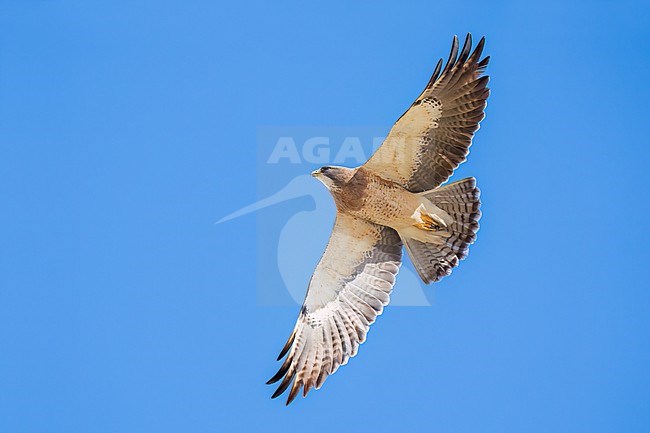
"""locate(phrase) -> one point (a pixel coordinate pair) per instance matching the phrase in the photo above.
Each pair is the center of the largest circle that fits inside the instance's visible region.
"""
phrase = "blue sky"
(128, 128)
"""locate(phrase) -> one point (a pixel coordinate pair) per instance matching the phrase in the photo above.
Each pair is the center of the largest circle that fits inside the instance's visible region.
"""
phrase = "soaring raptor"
(394, 199)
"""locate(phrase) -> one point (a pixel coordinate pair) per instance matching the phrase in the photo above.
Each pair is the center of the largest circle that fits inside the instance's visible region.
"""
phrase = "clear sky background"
(128, 128)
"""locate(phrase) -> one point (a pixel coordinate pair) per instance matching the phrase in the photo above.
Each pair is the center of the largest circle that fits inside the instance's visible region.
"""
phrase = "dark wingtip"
(286, 347)
(436, 73)
(479, 48)
(277, 393)
(454, 50)
(467, 46)
(453, 53)
(293, 393)
(281, 372)
(275, 378)
(283, 386)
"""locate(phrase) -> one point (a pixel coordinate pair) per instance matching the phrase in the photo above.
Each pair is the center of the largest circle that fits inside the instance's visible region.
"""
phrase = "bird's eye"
(325, 169)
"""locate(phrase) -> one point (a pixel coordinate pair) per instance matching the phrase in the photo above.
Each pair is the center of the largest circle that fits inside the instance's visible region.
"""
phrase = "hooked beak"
(316, 172)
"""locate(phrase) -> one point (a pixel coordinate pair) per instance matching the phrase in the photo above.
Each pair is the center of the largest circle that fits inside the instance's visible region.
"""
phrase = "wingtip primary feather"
(293, 393)
(281, 372)
(467, 47)
(287, 346)
(283, 386)
(453, 53)
(483, 63)
(274, 379)
(436, 73)
(479, 49)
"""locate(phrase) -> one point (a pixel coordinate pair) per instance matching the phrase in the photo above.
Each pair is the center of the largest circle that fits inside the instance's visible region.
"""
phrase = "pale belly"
(390, 206)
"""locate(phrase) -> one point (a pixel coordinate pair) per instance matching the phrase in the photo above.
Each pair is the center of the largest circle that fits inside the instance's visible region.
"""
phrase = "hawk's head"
(333, 177)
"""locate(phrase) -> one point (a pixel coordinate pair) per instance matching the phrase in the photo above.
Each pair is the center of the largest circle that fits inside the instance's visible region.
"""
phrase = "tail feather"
(435, 260)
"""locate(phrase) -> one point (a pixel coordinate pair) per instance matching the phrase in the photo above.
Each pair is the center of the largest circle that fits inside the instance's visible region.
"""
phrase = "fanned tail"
(436, 258)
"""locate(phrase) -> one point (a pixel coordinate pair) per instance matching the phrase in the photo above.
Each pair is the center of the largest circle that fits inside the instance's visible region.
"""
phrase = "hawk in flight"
(393, 200)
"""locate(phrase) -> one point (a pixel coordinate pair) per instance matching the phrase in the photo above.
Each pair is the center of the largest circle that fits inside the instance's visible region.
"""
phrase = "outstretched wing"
(349, 289)
(433, 137)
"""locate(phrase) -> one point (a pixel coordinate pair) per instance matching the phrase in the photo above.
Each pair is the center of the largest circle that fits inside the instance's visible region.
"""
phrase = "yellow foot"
(428, 223)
